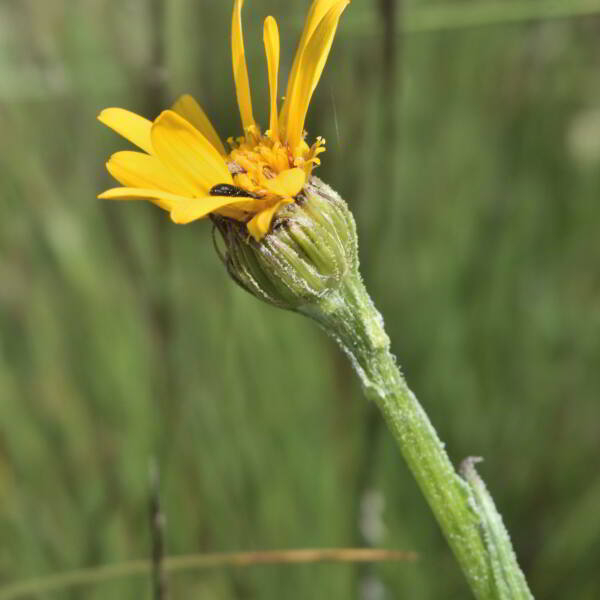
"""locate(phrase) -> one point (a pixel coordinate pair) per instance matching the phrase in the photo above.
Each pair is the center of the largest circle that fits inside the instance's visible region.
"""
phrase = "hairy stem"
(349, 315)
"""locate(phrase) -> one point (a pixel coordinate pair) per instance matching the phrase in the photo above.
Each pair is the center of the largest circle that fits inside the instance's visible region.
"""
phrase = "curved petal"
(240, 70)
(260, 224)
(271, 41)
(311, 65)
(132, 127)
(186, 152)
(191, 111)
(191, 209)
(165, 200)
(136, 169)
(287, 183)
(317, 11)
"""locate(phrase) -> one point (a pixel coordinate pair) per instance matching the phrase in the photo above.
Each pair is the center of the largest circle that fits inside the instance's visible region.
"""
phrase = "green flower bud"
(306, 255)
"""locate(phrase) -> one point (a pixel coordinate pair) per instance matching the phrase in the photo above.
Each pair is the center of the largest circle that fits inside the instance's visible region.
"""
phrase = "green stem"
(508, 577)
(349, 315)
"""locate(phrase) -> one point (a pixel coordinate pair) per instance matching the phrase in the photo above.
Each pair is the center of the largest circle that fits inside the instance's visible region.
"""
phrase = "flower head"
(308, 255)
(185, 167)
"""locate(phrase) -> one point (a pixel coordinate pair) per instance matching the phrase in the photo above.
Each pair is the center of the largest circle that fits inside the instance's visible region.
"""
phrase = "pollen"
(257, 159)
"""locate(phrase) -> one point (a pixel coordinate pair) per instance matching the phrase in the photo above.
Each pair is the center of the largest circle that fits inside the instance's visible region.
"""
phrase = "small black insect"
(226, 189)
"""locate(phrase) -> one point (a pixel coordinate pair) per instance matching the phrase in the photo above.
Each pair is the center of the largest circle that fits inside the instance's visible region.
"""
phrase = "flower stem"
(349, 315)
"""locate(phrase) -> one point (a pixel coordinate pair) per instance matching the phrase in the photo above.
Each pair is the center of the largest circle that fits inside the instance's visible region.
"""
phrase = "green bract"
(311, 248)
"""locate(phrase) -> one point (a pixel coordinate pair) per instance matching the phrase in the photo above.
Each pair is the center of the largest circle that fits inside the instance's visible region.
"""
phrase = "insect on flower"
(224, 189)
(184, 167)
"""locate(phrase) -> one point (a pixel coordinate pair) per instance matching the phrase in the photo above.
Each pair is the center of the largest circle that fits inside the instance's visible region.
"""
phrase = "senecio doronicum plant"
(290, 240)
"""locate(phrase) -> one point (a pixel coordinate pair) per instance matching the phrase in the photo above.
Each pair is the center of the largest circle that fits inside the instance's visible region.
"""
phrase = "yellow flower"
(185, 168)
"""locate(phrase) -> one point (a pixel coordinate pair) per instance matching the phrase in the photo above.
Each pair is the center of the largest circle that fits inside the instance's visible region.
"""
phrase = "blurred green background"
(466, 138)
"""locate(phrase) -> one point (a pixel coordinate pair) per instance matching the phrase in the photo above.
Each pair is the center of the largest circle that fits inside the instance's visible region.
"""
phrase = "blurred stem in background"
(160, 588)
(390, 15)
(160, 305)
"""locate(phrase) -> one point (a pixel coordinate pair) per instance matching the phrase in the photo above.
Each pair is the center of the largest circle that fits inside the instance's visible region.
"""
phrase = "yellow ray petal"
(287, 183)
(165, 200)
(240, 70)
(271, 41)
(195, 208)
(260, 224)
(318, 10)
(191, 111)
(310, 67)
(132, 127)
(233, 212)
(136, 169)
(186, 152)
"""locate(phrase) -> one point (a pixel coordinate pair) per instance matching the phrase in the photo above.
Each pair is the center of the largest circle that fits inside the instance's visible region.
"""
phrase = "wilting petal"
(186, 152)
(287, 183)
(136, 169)
(240, 70)
(191, 209)
(271, 41)
(132, 127)
(191, 111)
(311, 65)
(259, 225)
